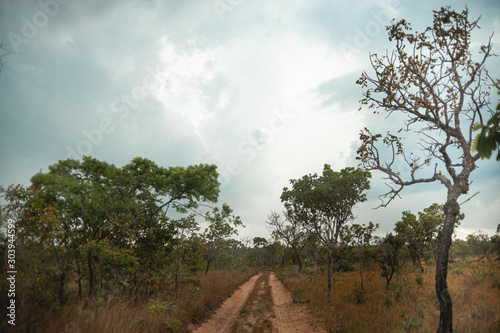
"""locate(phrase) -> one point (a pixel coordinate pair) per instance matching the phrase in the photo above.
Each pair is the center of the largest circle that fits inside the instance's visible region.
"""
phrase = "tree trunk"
(451, 210)
(62, 278)
(361, 273)
(79, 278)
(208, 266)
(390, 277)
(297, 255)
(330, 272)
(419, 258)
(177, 269)
(434, 251)
(91, 273)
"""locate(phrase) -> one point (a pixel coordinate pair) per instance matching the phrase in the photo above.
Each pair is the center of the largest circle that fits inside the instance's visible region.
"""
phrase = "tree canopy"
(324, 203)
(128, 228)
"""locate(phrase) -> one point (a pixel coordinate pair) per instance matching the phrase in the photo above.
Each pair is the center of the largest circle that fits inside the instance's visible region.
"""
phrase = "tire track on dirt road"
(227, 314)
(262, 304)
(290, 316)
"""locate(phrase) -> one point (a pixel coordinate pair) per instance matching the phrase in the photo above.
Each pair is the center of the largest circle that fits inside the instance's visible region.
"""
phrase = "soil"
(262, 304)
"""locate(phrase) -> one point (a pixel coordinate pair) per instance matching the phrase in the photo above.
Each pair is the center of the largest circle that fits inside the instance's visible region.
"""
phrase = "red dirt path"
(262, 304)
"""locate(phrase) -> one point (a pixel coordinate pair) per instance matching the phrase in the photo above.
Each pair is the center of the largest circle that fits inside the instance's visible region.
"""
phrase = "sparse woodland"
(88, 262)
(147, 248)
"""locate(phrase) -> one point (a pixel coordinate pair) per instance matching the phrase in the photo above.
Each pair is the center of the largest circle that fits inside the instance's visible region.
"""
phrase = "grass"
(164, 313)
(408, 305)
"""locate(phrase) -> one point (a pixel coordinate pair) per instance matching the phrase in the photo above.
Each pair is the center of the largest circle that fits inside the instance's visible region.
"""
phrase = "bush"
(359, 295)
(345, 266)
(419, 280)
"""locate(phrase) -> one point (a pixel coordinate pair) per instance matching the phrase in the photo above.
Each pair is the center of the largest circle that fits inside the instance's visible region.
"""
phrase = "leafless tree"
(290, 230)
(433, 81)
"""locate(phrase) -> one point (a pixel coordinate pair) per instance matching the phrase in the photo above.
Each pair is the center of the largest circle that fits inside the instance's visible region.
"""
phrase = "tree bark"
(419, 258)
(451, 210)
(208, 266)
(330, 272)
(361, 273)
(297, 256)
(388, 279)
(62, 279)
(91, 273)
(79, 278)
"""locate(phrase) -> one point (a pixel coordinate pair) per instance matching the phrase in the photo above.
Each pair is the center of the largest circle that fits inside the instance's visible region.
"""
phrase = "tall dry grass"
(408, 305)
(164, 313)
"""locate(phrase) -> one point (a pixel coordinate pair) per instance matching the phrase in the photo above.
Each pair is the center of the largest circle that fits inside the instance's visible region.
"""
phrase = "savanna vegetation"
(439, 85)
(94, 238)
(146, 248)
(387, 284)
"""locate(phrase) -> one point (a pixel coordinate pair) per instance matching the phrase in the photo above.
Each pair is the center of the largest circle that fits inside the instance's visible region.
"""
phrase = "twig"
(469, 198)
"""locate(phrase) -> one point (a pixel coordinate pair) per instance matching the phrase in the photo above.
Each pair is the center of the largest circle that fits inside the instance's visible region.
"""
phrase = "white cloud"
(242, 92)
(185, 77)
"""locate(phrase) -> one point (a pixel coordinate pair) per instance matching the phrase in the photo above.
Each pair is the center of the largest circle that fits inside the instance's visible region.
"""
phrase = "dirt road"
(261, 305)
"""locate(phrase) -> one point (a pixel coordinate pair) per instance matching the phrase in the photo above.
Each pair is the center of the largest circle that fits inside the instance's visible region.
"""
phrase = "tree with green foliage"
(360, 236)
(222, 225)
(412, 233)
(479, 243)
(420, 234)
(324, 204)
(488, 140)
(432, 220)
(495, 240)
(109, 227)
(41, 251)
(187, 249)
(389, 256)
(432, 80)
(260, 242)
(459, 250)
(273, 254)
(126, 207)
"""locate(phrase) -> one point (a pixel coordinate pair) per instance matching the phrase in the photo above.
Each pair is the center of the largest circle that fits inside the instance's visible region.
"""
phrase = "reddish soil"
(261, 305)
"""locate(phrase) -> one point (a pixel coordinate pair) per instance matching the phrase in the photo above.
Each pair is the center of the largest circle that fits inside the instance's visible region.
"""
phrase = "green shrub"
(419, 280)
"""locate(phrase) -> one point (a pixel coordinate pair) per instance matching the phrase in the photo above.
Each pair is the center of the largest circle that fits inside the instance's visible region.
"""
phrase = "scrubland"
(161, 313)
(408, 304)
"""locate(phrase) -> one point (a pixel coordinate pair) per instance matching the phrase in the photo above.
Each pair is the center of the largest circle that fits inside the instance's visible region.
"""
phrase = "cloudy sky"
(263, 89)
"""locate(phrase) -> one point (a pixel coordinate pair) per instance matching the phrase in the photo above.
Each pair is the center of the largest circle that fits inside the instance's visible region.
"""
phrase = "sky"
(265, 90)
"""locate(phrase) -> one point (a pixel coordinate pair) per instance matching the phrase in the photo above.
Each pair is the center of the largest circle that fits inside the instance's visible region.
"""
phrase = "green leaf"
(477, 127)
(474, 145)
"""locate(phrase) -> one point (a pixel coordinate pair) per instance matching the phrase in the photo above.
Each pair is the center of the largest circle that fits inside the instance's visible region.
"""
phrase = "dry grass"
(408, 305)
(162, 314)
